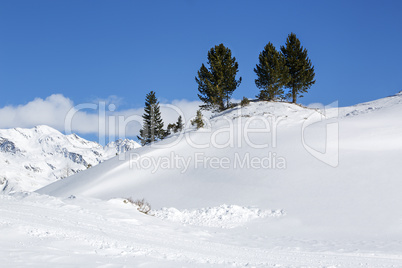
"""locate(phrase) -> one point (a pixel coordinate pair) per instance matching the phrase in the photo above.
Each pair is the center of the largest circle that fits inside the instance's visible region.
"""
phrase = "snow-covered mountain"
(33, 158)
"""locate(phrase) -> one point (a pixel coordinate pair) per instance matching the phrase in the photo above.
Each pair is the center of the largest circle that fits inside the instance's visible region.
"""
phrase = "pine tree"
(301, 71)
(153, 125)
(217, 83)
(272, 74)
(197, 121)
(179, 125)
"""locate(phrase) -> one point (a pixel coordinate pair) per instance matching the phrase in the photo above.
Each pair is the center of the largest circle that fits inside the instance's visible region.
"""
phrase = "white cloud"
(47, 111)
(58, 112)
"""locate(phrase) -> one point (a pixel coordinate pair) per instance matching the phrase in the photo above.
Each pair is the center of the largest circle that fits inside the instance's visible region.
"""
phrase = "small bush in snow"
(142, 205)
(244, 102)
(198, 122)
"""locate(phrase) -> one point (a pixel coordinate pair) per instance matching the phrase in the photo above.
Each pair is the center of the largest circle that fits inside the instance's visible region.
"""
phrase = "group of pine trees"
(290, 68)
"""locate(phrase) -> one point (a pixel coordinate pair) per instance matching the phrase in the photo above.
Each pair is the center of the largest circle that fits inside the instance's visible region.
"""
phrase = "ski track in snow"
(38, 231)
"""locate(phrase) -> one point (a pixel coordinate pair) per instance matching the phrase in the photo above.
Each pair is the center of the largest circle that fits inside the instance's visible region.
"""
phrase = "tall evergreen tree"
(153, 125)
(217, 83)
(301, 71)
(272, 73)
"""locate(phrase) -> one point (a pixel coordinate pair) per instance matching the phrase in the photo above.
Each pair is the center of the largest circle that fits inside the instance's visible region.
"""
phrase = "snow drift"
(223, 216)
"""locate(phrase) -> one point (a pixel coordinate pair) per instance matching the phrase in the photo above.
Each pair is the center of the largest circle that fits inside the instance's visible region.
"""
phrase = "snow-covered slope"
(267, 185)
(33, 158)
(222, 164)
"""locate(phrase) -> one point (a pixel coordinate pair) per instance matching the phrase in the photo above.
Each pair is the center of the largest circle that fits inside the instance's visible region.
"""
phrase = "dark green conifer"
(217, 83)
(179, 125)
(272, 74)
(153, 124)
(301, 71)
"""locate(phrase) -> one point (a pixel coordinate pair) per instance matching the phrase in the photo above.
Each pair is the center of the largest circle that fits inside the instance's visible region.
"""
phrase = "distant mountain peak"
(33, 157)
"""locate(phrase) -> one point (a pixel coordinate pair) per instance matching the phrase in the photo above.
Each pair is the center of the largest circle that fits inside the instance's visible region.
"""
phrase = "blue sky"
(120, 50)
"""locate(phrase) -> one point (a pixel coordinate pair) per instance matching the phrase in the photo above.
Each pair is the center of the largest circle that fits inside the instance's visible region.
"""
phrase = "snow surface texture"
(43, 231)
(223, 216)
(33, 158)
(343, 206)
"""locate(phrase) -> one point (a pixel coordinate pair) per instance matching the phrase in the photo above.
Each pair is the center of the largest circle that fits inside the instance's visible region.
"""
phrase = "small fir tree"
(179, 125)
(153, 124)
(174, 128)
(272, 74)
(197, 121)
(300, 69)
